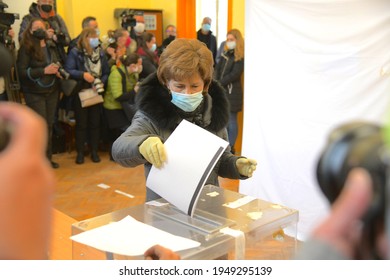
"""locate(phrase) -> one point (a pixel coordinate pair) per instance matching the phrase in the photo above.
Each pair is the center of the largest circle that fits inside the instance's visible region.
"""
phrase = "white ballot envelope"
(192, 153)
(130, 237)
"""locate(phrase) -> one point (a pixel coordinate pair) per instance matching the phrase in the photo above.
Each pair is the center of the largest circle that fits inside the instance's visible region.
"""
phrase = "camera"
(63, 72)
(98, 84)
(61, 38)
(5, 134)
(6, 20)
(128, 19)
(358, 144)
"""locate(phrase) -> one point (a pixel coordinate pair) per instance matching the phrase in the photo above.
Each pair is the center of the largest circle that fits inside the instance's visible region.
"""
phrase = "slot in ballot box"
(226, 224)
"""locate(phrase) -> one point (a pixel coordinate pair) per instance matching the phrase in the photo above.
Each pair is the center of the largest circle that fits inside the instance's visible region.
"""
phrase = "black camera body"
(5, 134)
(6, 20)
(357, 144)
(99, 85)
(61, 38)
(64, 74)
(128, 19)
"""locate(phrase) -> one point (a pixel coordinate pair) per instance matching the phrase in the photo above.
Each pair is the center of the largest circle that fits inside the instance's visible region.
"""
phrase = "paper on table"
(130, 237)
(192, 153)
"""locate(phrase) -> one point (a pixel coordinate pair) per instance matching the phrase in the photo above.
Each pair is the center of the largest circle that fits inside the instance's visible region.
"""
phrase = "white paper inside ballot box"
(192, 153)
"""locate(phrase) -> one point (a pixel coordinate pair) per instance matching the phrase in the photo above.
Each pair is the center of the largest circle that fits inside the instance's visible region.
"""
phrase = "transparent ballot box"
(270, 229)
(228, 225)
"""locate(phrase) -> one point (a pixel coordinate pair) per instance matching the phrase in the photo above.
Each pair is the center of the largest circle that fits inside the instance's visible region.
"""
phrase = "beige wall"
(239, 15)
(18, 7)
(73, 12)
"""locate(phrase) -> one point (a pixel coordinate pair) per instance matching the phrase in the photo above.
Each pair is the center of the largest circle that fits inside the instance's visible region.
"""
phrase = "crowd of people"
(183, 79)
(48, 55)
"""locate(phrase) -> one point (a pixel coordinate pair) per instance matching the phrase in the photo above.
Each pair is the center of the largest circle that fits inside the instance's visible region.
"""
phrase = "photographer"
(56, 29)
(88, 22)
(5, 80)
(39, 75)
(88, 65)
(339, 235)
(121, 44)
(9, 84)
(26, 186)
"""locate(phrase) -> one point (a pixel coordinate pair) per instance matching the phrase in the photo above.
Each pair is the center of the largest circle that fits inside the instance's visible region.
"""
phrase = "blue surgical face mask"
(153, 48)
(206, 27)
(187, 102)
(94, 42)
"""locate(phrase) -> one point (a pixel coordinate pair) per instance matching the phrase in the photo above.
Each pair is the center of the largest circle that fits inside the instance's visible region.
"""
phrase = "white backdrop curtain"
(310, 65)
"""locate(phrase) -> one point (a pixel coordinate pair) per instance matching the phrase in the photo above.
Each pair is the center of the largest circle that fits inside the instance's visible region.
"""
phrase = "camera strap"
(37, 81)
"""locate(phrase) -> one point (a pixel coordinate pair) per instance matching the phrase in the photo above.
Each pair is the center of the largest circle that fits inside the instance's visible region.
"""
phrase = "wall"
(73, 14)
(238, 20)
(103, 10)
(18, 7)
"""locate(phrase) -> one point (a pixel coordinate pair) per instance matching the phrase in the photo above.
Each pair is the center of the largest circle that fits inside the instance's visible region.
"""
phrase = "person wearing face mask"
(138, 30)
(57, 32)
(181, 89)
(87, 64)
(88, 22)
(170, 32)
(148, 52)
(205, 35)
(119, 107)
(229, 72)
(120, 44)
(66, 102)
(39, 76)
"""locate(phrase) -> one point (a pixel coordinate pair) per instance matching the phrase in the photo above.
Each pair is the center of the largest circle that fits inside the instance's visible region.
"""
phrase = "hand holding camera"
(358, 145)
(98, 85)
(51, 69)
(88, 77)
(50, 33)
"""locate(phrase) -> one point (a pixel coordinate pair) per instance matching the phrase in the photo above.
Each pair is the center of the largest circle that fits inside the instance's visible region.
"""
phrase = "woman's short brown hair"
(183, 58)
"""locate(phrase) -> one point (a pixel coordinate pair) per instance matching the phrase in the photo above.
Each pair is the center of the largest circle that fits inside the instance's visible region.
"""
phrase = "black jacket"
(210, 40)
(56, 22)
(228, 72)
(31, 72)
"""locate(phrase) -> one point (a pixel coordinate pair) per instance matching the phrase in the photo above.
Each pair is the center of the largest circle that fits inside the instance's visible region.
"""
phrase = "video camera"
(6, 20)
(127, 18)
(359, 144)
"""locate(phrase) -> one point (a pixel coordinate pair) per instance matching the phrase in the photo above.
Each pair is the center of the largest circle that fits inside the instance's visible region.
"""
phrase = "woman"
(181, 89)
(148, 53)
(120, 94)
(39, 75)
(228, 72)
(88, 65)
(121, 45)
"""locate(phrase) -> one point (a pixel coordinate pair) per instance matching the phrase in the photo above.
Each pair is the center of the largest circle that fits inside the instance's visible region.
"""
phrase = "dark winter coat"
(210, 40)
(55, 22)
(32, 72)
(228, 72)
(157, 116)
(75, 65)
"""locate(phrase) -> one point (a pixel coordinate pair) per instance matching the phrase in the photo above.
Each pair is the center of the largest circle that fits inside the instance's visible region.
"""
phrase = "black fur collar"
(154, 100)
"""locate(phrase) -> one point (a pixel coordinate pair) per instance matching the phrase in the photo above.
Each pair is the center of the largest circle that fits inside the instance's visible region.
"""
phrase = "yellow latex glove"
(153, 151)
(246, 166)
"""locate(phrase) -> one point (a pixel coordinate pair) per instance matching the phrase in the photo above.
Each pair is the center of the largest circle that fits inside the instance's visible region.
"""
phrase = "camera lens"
(357, 144)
